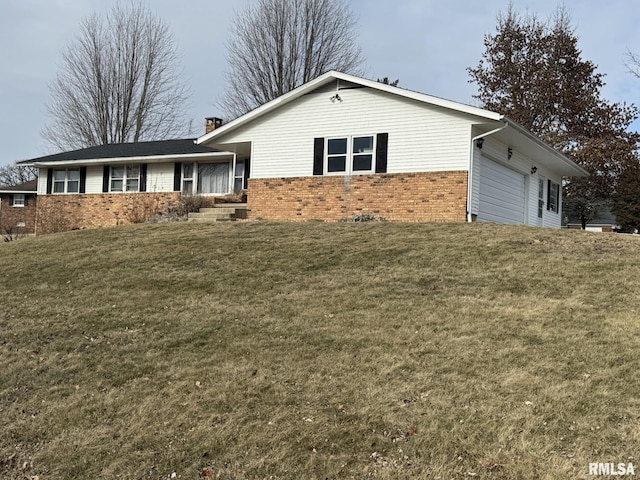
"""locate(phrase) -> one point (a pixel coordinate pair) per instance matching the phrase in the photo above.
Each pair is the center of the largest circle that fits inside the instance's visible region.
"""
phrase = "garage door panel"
(502, 193)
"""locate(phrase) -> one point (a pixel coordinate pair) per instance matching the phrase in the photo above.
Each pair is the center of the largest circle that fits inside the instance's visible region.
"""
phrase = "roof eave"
(119, 160)
(577, 170)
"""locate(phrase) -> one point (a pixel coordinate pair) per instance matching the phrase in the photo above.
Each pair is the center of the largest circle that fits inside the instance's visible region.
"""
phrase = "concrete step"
(223, 212)
(236, 205)
(210, 215)
(217, 210)
(211, 219)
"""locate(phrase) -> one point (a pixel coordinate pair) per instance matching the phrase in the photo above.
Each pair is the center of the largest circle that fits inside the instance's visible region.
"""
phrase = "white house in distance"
(332, 148)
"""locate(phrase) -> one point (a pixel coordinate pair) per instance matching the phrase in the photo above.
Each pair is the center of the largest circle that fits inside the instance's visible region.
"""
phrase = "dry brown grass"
(262, 350)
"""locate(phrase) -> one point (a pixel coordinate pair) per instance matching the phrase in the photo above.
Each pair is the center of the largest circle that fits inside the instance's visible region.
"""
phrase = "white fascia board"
(579, 171)
(333, 75)
(140, 159)
(19, 192)
(267, 107)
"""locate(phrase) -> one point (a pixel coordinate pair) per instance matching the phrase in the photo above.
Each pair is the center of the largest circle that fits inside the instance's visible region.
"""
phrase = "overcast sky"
(427, 44)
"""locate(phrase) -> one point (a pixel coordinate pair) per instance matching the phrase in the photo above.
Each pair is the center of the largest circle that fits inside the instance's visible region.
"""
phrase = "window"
(125, 178)
(362, 154)
(238, 177)
(187, 178)
(553, 197)
(540, 197)
(19, 200)
(66, 181)
(350, 155)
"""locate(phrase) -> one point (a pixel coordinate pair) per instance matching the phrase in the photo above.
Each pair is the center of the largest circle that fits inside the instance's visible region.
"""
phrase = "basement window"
(18, 200)
(125, 178)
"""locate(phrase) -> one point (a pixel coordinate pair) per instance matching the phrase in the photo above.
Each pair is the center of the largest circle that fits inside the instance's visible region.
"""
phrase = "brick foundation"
(57, 213)
(407, 197)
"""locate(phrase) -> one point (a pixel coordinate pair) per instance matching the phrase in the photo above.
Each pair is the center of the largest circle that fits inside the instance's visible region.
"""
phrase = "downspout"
(470, 175)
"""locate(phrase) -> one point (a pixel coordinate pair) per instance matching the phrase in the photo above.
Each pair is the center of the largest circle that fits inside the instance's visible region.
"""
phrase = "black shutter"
(105, 179)
(177, 176)
(143, 177)
(548, 194)
(49, 180)
(83, 179)
(11, 200)
(318, 156)
(247, 165)
(26, 200)
(382, 143)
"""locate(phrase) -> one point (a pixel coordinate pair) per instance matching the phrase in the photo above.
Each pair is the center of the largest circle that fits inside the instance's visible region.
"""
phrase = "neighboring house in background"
(603, 221)
(18, 209)
(126, 183)
(332, 148)
(341, 145)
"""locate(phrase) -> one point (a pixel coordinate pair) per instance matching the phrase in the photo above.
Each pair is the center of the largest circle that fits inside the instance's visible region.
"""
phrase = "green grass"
(291, 351)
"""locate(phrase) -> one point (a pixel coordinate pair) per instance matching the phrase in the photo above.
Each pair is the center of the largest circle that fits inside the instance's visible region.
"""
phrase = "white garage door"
(501, 193)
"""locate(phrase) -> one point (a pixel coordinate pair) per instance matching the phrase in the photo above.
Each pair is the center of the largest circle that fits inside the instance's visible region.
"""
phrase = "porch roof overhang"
(194, 157)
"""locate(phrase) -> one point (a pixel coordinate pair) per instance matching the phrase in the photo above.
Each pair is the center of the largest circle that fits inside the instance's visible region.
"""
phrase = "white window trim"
(66, 181)
(22, 196)
(124, 178)
(541, 198)
(193, 178)
(554, 200)
(350, 154)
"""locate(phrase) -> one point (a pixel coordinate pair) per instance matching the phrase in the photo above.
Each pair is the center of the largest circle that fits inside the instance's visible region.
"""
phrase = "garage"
(502, 193)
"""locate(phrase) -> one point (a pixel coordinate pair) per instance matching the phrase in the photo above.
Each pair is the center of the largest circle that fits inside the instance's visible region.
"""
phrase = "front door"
(540, 200)
(213, 178)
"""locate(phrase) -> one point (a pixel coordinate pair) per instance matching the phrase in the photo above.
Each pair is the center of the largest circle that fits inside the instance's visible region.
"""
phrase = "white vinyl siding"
(42, 181)
(422, 138)
(160, 177)
(94, 179)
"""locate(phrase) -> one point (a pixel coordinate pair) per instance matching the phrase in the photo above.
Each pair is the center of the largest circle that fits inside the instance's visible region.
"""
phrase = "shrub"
(364, 217)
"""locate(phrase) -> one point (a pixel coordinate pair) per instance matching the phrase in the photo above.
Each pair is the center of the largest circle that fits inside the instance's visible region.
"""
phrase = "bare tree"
(633, 63)
(11, 175)
(277, 45)
(119, 81)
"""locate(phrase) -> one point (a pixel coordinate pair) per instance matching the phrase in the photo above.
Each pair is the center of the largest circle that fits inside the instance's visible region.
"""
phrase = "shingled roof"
(185, 146)
(27, 187)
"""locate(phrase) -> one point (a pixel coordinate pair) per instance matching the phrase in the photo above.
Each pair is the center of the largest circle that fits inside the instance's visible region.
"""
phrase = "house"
(125, 183)
(341, 145)
(332, 148)
(18, 209)
(604, 219)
